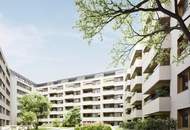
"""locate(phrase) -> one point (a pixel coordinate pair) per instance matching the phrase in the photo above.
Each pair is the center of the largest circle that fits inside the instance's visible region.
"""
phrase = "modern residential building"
(99, 96)
(161, 89)
(5, 92)
(20, 86)
(133, 89)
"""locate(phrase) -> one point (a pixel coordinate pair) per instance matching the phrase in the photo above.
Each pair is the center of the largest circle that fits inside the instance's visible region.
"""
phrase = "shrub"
(94, 127)
(56, 123)
(150, 124)
(72, 118)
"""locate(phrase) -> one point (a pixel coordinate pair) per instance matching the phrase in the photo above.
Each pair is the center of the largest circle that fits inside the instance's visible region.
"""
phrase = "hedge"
(94, 127)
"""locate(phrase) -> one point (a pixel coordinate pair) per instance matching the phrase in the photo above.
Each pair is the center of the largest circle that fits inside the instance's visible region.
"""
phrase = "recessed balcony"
(137, 64)
(136, 114)
(128, 83)
(160, 77)
(112, 118)
(128, 94)
(112, 109)
(157, 106)
(128, 106)
(136, 83)
(147, 65)
(109, 92)
(136, 98)
(137, 52)
(147, 59)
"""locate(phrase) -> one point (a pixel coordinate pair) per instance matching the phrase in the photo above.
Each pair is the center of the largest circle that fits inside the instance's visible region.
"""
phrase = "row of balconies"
(158, 105)
(138, 87)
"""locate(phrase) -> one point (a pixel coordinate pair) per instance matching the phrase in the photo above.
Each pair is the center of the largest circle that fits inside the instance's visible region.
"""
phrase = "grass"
(41, 128)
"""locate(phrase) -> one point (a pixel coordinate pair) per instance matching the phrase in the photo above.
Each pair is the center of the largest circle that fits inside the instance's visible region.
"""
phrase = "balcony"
(96, 119)
(90, 110)
(91, 84)
(128, 106)
(127, 117)
(95, 102)
(137, 64)
(112, 109)
(158, 105)
(147, 59)
(91, 94)
(69, 96)
(149, 56)
(136, 83)
(136, 53)
(56, 112)
(128, 94)
(109, 92)
(160, 76)
(112, 118)
(106, 101)
(136, 114)
(72, 104)
(56, 98)
(128, 83)
(136, 98)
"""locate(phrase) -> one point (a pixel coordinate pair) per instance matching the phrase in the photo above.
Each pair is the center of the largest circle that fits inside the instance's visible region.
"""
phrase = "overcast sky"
(39, 41)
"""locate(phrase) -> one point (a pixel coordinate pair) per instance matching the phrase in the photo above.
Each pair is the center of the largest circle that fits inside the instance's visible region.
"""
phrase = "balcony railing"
(158, 105)
(160, 74)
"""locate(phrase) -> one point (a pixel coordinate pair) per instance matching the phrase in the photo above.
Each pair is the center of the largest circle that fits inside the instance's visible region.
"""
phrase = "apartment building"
(5, 94)
(133, 87)
(99, 96)
(165, 87)
(20, 86)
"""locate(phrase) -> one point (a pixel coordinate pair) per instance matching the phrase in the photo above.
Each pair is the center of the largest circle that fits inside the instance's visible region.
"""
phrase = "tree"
(36, 104)
(28, 119)
(56, 123)
(72, 118)
(140, 21)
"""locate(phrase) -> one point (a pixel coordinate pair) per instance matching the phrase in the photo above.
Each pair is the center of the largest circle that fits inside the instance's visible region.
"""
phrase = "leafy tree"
(139, 21)
(72, 118)
(27, 118)
(36, 104)
(56, 123)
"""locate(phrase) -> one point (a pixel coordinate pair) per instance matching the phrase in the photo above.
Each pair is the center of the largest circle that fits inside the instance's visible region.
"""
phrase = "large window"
(184, 118)
(183, 79)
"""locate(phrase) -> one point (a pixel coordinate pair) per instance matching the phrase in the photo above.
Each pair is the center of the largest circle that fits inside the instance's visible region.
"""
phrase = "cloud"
(23, 44)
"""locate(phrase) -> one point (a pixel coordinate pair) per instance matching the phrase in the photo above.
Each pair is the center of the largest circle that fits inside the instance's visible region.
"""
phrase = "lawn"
(41, 129)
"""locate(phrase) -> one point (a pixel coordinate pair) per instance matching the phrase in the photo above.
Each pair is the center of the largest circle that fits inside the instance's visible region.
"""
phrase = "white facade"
(20, 86)
(5, 92)
(166, 86)
(99, 96)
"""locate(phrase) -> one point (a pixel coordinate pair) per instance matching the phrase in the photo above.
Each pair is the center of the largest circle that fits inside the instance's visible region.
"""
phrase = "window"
(183, 79)
(184, 118)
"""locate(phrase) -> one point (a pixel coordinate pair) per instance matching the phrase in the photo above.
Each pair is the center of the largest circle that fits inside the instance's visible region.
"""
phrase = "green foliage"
(36, 104)
(27, 118)
(128, 17)
(56, 123)
(94, 127)
(128, 125)
(72, 118)
(150, 124)
(162, 92)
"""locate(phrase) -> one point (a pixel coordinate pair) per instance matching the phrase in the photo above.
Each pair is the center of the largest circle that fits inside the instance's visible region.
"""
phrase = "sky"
(38, 40)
